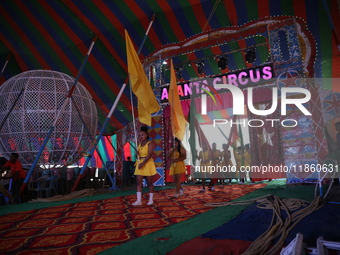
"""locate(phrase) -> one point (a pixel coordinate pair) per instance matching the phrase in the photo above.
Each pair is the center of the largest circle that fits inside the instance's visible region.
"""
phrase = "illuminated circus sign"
(242, 79)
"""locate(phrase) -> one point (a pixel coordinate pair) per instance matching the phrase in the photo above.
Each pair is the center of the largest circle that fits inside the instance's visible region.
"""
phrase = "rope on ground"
(72, 195)
(241, 202)
(278, 228)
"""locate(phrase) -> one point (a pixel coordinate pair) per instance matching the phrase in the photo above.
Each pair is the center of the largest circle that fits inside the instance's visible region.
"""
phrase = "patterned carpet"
(94, 226)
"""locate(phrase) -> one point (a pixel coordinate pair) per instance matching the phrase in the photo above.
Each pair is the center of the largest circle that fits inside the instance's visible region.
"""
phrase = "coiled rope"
(278, 228)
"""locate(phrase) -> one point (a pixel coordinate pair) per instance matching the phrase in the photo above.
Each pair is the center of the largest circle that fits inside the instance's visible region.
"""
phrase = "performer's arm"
(183, 155)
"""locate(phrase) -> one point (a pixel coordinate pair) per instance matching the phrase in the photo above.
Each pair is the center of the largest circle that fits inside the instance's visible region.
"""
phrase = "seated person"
(17, 174)
(2, 161)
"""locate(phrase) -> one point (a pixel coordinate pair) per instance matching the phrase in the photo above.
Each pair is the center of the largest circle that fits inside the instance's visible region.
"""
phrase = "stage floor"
(108, 223)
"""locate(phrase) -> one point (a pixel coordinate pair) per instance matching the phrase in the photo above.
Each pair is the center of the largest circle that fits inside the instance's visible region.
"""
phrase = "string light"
(200, 67)
(250, 55)
(222, 62)
(178, 71)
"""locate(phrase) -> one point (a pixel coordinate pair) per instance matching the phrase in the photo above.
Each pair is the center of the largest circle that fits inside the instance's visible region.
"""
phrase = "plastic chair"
(52, 186)
(63, 180)
(46, 173)
(99, 180)
(90, 174)
(76, 172)
(85, 180)
(90, 177)
(45, 184)
(34, 185)
(9, 190)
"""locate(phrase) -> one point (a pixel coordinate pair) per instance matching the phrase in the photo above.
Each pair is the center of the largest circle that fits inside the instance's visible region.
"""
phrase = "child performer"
(177, 168)
(145, 166)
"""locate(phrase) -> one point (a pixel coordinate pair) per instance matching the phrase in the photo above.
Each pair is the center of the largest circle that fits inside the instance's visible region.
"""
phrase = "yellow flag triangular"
(178, 121)
(147, 103)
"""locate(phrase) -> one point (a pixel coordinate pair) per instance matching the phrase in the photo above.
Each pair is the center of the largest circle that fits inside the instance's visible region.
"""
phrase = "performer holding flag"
(147, 104)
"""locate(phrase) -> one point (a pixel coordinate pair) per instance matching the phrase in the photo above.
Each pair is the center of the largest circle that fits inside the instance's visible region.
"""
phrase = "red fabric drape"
(265, 144)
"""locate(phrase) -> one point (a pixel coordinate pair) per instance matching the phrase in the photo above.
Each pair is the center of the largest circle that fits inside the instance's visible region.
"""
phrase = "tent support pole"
(6, 62)
(88, 132)
(97, 140)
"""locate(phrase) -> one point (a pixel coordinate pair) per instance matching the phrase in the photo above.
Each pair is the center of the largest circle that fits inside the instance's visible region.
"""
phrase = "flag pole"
(81, 173)
(87, 130)
(131, 100)
(146, 34)
(172, 108)
(134, 123)
(37, 157)
(107, 120)
(6, 62)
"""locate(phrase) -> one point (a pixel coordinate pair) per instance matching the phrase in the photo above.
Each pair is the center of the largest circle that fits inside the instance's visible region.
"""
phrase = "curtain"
(265, 143)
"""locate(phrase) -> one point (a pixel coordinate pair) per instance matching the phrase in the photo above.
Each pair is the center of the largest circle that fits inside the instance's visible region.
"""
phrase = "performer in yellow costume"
(226, 161)
(145, 166)
(216, 161)
(205, 158)
(243, 158)
(177, 168)
(247, 160)
(239, 158)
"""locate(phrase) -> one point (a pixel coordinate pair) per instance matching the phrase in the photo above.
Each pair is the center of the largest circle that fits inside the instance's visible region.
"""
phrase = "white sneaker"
(176, 194)
(150, 203)
(212, 188)
(137, 203)
(181, 192)
(202, 190)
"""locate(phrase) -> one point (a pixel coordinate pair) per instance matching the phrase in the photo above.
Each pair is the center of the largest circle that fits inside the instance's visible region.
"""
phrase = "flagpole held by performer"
(145, 166)
(177, 167)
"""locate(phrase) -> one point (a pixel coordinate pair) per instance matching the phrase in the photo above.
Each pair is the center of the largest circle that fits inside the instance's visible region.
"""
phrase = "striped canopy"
(56, 35)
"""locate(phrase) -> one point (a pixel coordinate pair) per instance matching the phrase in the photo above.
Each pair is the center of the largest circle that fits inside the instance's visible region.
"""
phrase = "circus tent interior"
(68, 108)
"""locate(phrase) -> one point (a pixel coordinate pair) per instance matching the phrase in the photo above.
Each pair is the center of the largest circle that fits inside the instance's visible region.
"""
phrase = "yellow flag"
(178, 121)
(147, 103)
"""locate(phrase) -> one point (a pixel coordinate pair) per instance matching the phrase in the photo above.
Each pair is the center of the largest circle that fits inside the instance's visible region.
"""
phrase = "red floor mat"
(91, 227)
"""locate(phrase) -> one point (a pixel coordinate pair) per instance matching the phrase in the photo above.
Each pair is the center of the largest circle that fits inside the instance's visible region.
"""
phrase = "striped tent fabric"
(56, 35)
(106, 151)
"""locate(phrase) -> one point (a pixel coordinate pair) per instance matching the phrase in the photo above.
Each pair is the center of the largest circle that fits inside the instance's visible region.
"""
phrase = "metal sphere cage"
(29, 105)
